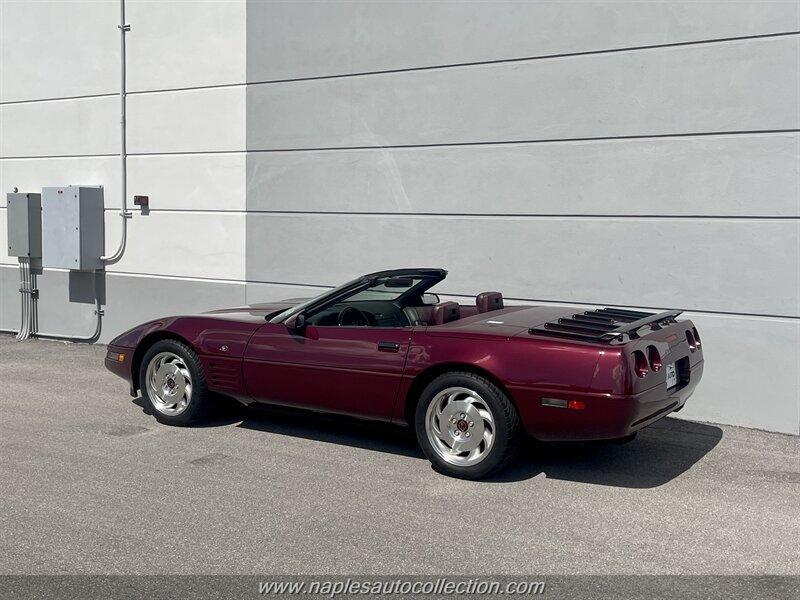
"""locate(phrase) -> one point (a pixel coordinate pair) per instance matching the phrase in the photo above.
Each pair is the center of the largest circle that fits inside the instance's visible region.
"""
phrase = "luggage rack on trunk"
(605, 324)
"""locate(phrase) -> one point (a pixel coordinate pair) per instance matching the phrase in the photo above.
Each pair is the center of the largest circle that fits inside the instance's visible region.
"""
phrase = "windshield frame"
(334, 293)
(428, 278)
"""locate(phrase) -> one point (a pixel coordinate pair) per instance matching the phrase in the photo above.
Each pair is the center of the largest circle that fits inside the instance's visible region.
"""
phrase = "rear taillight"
(696, 337)
(640, 363)
(690, 339)
(654, 358)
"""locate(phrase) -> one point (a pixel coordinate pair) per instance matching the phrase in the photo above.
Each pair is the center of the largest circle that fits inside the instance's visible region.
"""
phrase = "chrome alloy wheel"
(460, 426)
(169, 383)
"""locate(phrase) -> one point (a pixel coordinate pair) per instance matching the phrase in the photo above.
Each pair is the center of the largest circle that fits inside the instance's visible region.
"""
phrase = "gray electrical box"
(73, 227)
(24, 216)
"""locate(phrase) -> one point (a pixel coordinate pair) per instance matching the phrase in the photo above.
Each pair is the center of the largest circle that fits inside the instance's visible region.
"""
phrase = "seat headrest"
(444, 312)
(488, 301)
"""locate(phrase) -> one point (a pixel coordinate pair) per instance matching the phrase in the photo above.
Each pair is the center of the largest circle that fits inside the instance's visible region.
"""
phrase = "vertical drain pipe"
(123, 149)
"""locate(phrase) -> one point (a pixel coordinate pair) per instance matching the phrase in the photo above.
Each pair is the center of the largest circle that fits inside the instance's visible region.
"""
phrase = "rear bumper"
(605, 416)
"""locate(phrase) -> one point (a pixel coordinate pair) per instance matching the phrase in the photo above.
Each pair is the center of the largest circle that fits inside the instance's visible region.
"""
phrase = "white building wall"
(641, 154)
(188, 253)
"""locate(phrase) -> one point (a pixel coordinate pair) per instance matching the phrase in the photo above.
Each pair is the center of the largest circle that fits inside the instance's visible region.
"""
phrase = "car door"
(349, 370)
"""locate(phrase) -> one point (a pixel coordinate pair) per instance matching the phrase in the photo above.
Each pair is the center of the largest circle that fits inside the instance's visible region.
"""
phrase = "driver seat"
(418, 315)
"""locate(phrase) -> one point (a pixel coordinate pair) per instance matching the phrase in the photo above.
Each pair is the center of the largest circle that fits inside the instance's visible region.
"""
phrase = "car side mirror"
(430, 299)
(296, 323)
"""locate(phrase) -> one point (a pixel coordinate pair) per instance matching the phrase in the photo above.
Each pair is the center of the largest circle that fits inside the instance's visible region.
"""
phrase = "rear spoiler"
(605, 324)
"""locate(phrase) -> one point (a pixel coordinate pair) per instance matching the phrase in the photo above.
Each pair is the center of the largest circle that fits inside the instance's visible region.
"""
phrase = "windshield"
(282, 316)
(383, 288)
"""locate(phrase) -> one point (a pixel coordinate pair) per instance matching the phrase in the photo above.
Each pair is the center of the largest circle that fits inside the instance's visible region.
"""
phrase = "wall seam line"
(495, 215)
(530, 216)
(651, 136)
(533, 58)
(477, 63)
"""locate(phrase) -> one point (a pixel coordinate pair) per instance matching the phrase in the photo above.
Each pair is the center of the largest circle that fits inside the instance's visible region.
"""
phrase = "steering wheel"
(353, 317)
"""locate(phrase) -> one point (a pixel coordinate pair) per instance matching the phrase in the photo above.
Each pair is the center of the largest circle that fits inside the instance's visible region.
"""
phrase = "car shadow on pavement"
(228, 414)
(659, 454)
(332, 429)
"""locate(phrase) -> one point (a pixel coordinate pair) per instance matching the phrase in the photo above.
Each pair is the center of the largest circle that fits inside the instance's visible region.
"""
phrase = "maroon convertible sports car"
(470, 378)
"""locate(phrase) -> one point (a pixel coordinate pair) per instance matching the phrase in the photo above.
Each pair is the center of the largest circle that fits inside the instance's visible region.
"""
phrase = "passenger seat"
(489, 301)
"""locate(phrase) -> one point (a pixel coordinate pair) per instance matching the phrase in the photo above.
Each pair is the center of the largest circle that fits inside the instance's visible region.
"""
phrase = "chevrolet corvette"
(471, 378)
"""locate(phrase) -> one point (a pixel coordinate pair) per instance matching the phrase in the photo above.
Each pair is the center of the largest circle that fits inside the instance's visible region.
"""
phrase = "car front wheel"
(173, 382)
(466, 425)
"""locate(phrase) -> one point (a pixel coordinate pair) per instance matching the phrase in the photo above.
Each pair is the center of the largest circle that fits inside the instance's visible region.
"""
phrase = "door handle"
(388, 347)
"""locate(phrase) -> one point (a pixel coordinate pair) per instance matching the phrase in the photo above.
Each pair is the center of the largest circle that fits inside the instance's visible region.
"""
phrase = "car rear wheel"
(174, 384)
(466, 425)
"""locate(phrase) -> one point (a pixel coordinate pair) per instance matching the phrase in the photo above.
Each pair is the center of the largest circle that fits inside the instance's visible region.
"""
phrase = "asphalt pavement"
(90, 483)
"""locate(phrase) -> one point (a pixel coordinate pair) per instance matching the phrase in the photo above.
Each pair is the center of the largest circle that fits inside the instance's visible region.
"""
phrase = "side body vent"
(224, 375)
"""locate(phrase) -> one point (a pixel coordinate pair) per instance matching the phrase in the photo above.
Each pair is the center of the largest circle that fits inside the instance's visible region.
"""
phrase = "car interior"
(404, 310)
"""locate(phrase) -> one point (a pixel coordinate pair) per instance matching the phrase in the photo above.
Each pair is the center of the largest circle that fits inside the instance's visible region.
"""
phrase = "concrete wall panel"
(711, 265)
(184, 182)
(184, 244)
(58, 49)
(189, 181)
(59, 311)
(752, 175)
(31, 175)
(275, 292)
(206, 120)
(751, 373)
(9, 297)
(310, 39)
(185, 44)
(60, 128)
(4, 257)
(731, 86)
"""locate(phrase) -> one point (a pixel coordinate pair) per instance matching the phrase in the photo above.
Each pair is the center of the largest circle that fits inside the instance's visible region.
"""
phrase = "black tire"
(507, 429)
(200, 403)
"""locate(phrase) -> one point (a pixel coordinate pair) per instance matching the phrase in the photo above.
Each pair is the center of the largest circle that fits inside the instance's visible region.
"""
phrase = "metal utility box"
(73, 228)
(24, 220)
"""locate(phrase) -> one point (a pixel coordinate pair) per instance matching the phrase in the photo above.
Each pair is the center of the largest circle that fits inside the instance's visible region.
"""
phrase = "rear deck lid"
(605, 325)
(506, 322)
